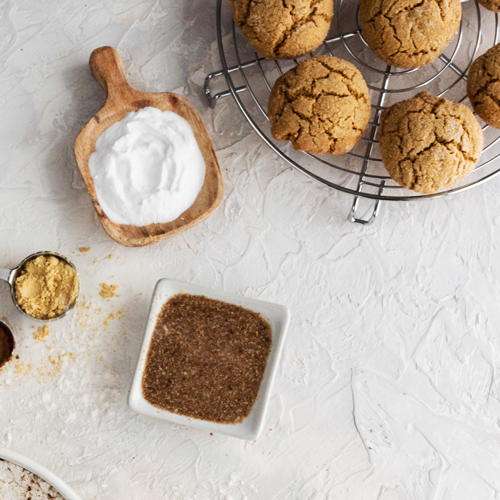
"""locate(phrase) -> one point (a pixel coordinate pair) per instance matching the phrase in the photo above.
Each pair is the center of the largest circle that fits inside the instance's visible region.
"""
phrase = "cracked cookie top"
(321, 106)
(483, 86)
(493, 5)
(283, 29)
(409, 33)
(429, 143)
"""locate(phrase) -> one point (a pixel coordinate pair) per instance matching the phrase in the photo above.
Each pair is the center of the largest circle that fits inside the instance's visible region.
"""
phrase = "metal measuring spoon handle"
(7, 275)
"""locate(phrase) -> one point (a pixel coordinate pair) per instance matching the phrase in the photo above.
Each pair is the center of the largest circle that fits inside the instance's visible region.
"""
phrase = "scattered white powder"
(17, 483)
(147, 168)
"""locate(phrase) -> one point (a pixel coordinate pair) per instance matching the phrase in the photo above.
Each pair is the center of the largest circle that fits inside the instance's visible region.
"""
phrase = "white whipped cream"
(147, 168)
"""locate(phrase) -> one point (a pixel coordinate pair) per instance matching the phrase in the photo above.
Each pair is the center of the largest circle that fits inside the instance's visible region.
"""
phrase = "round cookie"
(493, 5)
(283, 29)
(406, 34)
(483, 86)
(321, 106)
(429, 143)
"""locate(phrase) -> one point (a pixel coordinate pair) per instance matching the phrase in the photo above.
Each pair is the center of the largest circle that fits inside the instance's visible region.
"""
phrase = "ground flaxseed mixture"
(206, 359)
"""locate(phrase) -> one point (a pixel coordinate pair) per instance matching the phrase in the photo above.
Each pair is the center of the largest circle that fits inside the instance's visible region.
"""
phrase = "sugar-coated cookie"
(321, 106)
(483, 86)
(429, 143)
(283, 29)
(493, 5)
(409, 34)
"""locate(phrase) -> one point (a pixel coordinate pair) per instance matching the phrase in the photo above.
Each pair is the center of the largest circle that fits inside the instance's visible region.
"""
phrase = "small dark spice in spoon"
(6, 344)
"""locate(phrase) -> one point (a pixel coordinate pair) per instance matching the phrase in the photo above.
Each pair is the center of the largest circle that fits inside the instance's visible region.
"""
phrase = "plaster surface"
(389, 386)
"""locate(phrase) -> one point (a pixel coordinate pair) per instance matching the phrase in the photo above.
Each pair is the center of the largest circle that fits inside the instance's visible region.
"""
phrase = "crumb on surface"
(41, 333)
(108, 291)
(111, 316)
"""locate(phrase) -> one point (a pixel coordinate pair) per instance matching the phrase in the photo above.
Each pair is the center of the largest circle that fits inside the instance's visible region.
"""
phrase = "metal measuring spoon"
(10, 276)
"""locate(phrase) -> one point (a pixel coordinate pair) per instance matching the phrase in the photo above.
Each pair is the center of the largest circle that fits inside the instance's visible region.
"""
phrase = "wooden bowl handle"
(106, 67)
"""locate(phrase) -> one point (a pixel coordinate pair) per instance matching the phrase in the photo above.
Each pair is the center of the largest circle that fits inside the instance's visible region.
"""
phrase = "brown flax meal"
(206, 359)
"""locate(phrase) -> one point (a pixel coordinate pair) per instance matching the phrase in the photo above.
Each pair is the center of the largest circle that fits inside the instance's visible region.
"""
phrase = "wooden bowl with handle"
(106, 67)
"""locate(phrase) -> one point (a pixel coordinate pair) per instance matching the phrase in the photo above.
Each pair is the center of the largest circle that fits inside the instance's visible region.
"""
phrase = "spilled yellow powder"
(111, 316)
(56, 362)
(55, 366)
(108, 291)
(108, 319)
(47, 287)
(21, 369)
(86, 314)
(84, 249)
(110, 256)
(42, 333)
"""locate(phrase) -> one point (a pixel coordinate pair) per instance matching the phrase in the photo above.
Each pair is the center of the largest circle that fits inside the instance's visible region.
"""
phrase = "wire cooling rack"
(249, 78)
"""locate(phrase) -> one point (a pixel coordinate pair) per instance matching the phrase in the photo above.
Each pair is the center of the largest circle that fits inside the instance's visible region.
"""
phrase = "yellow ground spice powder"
(46, 287)
(41, 333)
(108, 291)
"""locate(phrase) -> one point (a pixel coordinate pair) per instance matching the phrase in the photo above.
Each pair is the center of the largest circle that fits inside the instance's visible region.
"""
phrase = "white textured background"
(389, 387)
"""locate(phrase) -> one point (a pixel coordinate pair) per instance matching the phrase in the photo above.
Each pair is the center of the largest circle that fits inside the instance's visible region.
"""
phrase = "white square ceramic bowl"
(278, 317)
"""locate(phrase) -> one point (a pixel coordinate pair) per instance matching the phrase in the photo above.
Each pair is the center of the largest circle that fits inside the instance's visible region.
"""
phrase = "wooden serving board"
(107, 68)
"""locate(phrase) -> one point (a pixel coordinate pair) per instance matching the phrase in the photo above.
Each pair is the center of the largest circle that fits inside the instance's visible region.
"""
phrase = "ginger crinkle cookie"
(409, 33)
(483, 86)
(322, 106)
(283, 29)
(493, 5)
(429, 143)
